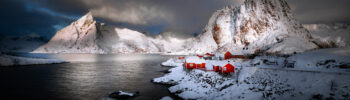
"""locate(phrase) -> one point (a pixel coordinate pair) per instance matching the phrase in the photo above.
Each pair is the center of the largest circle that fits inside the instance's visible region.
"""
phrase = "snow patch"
(125, 93)
(166, 98)
(172, 62)
(194, 59)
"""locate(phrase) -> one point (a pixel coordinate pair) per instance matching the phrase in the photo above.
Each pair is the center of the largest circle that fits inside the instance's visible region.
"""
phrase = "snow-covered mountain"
(330, 35)
(170, 44)
(80, 36)
(125, 41)
(88, 36)
(260, 25)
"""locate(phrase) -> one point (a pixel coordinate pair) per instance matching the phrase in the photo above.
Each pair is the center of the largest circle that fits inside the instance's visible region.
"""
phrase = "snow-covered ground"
(8, 60)
(323, 58)
(266, 26)
(172, 62)
(265, 77)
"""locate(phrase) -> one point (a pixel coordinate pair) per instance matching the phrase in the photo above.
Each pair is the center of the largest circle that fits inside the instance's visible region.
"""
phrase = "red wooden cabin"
(190, 65)
(227, 55)
(210, 55)
(238, 56)
(200, 56)
(200, 66)
(228, 68)
(194, 62)
(216, 68)
(181, 58)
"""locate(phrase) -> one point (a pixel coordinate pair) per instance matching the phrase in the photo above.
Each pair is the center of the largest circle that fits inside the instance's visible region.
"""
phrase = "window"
(224, 68)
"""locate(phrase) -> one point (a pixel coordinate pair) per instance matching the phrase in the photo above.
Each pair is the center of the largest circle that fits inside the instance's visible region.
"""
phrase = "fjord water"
(86, 77)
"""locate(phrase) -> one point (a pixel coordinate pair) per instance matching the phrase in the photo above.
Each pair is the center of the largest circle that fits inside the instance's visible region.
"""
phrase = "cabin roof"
(194, 59)
(228, 65)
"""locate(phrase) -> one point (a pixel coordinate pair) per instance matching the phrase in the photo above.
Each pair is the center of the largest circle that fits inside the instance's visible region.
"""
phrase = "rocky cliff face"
(266, 25)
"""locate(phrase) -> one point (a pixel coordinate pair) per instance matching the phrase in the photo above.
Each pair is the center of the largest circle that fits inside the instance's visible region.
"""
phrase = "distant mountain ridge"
(330, 35)
(23, 43)
(260, 25)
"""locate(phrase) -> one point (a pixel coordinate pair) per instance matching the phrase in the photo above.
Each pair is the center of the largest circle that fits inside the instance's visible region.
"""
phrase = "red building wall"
(228, 68)
(190, 65)
(227, 55)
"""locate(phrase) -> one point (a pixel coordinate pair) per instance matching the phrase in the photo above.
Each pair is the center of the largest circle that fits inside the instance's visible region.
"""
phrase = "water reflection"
(91, 76)
(104, 57)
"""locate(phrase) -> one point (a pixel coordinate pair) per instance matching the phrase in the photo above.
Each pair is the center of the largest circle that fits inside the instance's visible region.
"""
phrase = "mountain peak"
(78, 36)
(87, 19)
(88, 16)
(256, 24)
(87, 36)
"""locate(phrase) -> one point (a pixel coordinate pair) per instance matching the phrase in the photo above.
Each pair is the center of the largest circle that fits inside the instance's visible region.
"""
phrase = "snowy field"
(266, 77)
(8, 60)
(323, 58)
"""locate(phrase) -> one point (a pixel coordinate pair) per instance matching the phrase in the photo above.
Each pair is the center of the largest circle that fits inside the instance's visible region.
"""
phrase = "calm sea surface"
(86, 77)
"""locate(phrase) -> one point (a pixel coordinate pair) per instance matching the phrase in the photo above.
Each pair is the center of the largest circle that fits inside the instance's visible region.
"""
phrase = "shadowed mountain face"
(264, 25)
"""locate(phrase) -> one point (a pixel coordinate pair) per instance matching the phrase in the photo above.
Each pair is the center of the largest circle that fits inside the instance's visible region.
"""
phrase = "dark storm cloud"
(19, 17)
(179, 16)
(321, 11)
(16, 20)
(68, 7)
(182, 17)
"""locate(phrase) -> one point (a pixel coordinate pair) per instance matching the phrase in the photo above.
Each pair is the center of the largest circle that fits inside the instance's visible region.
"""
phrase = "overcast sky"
(182, 17)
